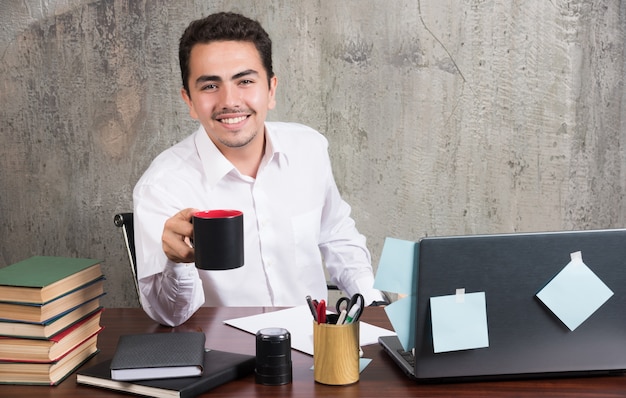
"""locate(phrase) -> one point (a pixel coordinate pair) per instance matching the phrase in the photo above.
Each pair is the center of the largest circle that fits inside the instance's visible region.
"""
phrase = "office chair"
(125, 222)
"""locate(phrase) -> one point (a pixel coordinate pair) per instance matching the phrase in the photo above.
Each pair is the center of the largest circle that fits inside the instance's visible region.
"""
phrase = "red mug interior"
(217, 213)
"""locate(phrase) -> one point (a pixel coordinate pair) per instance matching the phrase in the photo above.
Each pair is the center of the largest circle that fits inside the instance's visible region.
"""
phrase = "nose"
(230, 97)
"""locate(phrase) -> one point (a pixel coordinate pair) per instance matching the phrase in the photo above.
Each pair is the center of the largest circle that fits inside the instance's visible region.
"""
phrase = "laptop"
(526, 339)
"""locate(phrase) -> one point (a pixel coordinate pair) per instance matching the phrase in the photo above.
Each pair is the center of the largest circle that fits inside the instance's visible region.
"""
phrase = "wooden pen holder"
(336, 353)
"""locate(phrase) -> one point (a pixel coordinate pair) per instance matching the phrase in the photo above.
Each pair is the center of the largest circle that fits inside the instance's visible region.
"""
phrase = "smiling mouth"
(233, 120)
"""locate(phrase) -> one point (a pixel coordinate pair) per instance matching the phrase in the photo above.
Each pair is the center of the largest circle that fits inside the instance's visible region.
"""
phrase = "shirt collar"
(216, 166)
(273, 147)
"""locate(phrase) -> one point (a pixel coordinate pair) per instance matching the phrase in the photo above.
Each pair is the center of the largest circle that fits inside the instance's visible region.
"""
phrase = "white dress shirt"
(294, 223)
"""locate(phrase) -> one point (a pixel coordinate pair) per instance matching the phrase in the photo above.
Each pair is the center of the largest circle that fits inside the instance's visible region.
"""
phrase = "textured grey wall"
(444, 116)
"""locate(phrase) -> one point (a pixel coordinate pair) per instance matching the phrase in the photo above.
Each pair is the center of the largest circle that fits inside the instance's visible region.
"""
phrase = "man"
(278, 174)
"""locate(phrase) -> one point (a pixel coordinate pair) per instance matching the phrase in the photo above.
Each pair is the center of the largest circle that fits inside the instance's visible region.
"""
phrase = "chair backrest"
(125, 222)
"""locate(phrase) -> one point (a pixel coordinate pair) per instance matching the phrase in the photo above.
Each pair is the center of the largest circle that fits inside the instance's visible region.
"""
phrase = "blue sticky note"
(575, 293)
(401, 314)
(459, 321)
(397, 267)
(363, 362)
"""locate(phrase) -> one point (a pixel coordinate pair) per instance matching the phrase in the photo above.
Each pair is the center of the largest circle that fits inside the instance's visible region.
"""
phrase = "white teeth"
(233, 120)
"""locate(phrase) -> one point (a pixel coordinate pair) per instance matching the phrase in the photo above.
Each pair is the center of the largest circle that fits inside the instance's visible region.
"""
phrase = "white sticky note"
(575, 293)
(459, 323)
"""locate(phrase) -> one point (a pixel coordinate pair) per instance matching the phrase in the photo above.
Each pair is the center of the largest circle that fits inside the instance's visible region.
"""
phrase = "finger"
(177, 250)
(176, 233)
(186, 214)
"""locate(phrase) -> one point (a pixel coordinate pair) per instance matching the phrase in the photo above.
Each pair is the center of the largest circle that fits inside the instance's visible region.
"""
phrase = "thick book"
(25, 312)
(158, 356)
(49, 350)
(50, 327)
(48, 373)
(40, 279)
(220, 367)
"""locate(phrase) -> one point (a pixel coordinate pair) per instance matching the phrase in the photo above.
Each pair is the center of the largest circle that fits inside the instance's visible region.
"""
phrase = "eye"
(209, 87)
(246, 82)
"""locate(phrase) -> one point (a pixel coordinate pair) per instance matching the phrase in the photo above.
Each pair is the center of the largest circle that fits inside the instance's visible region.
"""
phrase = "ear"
(187, 99)
(271, 103)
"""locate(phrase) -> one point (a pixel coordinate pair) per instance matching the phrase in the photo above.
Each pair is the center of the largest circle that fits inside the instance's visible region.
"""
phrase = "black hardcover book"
(220, 367)
(158, 356)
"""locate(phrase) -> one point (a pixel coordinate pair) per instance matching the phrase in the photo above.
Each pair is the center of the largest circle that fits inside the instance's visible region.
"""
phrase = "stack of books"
(166, 365)
(49, 318)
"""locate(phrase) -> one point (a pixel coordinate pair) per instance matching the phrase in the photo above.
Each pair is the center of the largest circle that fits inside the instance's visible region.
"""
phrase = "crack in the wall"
(443, 46)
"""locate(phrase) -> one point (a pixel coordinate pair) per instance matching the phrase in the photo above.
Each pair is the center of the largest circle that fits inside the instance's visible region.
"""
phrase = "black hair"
(224, 26)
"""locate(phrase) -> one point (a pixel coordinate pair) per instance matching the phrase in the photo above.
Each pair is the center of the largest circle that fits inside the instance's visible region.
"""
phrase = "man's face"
(229, 93)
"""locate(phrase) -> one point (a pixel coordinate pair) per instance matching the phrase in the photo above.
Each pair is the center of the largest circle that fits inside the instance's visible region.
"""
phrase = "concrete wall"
(444, 116)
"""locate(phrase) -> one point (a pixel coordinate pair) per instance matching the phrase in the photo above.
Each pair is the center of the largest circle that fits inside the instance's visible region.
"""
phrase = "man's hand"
(177, 234)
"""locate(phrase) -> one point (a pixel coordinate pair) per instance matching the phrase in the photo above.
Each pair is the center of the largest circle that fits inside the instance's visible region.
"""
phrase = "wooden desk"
(380, 379)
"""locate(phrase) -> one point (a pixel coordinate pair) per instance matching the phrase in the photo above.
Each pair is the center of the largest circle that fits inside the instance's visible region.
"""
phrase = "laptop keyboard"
(408, 356)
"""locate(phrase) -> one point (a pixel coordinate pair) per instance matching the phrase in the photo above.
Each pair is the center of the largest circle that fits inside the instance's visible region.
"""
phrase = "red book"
(52, 349)
(48, 373)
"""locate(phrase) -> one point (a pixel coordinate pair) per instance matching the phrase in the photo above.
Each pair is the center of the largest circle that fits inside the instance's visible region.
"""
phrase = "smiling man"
(278, 174)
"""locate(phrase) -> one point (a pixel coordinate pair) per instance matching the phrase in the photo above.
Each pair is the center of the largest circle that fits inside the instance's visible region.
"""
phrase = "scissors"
(349, 304)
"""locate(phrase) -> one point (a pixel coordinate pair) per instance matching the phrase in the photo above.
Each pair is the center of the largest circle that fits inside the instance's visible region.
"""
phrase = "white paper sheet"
(299, 322)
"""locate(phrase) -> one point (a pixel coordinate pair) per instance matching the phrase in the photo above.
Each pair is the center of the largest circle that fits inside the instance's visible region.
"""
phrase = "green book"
(49, 327)
(41, 279)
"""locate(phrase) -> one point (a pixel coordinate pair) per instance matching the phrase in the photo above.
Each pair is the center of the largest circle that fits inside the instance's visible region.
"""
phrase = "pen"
(342, 317)
(312, 307)
(321, 312)
(352, 314)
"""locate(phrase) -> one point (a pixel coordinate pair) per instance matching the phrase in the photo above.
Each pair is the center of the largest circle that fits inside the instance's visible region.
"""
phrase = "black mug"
(218, 239)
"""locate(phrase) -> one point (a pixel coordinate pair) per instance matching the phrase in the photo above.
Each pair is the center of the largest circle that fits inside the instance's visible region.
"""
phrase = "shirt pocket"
(306, 233)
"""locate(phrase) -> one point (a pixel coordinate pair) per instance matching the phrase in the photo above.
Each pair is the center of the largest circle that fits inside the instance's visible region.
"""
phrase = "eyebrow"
(215, 78)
